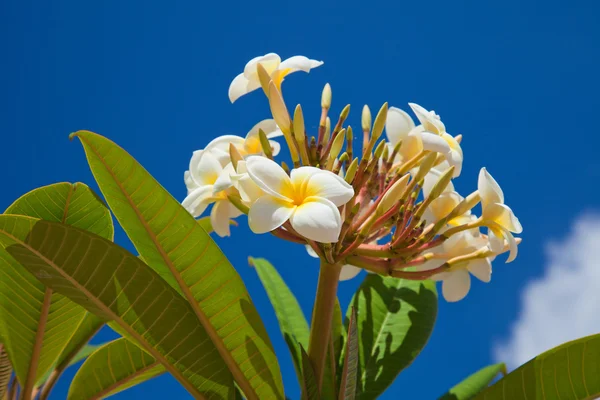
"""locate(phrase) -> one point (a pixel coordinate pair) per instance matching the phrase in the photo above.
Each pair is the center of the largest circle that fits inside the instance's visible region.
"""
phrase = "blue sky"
(518, 79)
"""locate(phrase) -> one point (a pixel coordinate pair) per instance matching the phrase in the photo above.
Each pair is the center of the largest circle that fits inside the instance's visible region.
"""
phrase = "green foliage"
(350, 367)
(112, 368)
(570, 371)
(118, 286)
(5, 371)
(395, 318)
(292, 323)
(42, 329)
(474, 383)
(172, 242)
(310, 390)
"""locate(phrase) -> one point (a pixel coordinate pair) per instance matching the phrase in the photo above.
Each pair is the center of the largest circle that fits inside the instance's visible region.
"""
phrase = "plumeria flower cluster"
(391, 210)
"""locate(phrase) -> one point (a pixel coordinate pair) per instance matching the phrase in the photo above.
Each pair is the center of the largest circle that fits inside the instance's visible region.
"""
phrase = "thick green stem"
(322, 317)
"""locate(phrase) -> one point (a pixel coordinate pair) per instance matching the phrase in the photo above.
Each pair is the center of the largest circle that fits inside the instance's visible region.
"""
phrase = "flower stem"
(322, 316)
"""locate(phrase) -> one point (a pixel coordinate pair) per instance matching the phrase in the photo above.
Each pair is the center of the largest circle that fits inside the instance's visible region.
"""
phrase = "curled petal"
(219, 218)
(433, 142)
(299, 176)
(481, 269)
(241, 86)
(275, 147)
(398, 125)
(444, 205)
(270, 61)
(456, 285)
(488, 188)
(224, 181)
(268, 213)
(311, 252)
(249, 191)
(205, 168)
(496, 237)
(268, 126)
(455, 156)
(197, 201)
(330, 186)
(222, 143)
(503, 216)
(428, 119)
(269, 176)
(298, 63)
(189, 182)
(317, 219)
(348, 272)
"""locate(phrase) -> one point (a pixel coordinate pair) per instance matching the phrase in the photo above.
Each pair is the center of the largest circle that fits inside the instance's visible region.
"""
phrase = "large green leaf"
(292, 323)
(310, 390)
(37, 323)
(350, 367)
(474, 383)
(570, 371)
(395, 319)
(172, 242)
(116, 285)
(112, 368)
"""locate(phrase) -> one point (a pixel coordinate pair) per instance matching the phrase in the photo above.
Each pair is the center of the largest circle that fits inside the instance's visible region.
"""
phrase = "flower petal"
(269, 176)
(224, 181)
(311, 252)
(503, 216)
(219, 218)
(433, 142)
(197, 201)
(270, 61)
(456, 285)
(444, 205)
(222, 143)
(204, 168)
(481, 269)
(298, 63)
(330, 186)
(238, 87)
(348, 272)
(430, 121)
(488, 188)
(189, 181)
(317, 219)
(268, 126)
(398, 125)
(269, 213)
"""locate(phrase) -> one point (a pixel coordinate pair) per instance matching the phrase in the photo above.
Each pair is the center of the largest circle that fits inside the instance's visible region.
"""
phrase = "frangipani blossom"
(309, 199)
(204, 173)
(456, 282)
(348, 271)
(249, 145)
(248, 80)
(498, 217)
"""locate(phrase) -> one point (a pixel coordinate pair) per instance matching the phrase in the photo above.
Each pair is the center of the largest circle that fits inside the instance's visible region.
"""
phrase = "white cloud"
(562, 305)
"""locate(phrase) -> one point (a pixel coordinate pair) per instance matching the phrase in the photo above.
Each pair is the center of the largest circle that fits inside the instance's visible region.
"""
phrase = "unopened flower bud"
(441, 184)
(264, 143)
(351, 171)
(458, 138)
(264, 78)
(336, 146)
(327, 132)
(426, 165)
(344, 113)
(366, 119)
(393, 195)
(326, 97)
(285, 167)
(279, 110)
(299, 125)
(379, 150)
(379, 122)
(234, 155)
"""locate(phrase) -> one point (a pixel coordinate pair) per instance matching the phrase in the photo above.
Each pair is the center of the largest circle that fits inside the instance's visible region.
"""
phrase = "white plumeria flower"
(249, 191)
(430, 135)
(204, 173)
(456, 283)
(249, 145)
(445, 203)
(248, 80)
(348, 271)
(309, 199)
(498, 217)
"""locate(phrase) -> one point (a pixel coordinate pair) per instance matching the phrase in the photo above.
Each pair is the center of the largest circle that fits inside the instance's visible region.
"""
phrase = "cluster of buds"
(392, 211)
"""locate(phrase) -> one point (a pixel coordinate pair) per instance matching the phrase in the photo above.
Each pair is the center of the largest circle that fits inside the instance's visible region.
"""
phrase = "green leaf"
(474, 383)
(171, 241)
(350, 367)
(569, 371)
(118, 286)
(37, 324)
(310, 390)
(112, 368)
(395, 319)
(329, 386)
(5, 371)
(292, 322)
